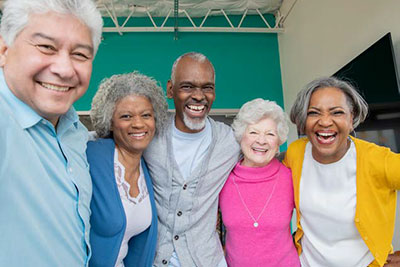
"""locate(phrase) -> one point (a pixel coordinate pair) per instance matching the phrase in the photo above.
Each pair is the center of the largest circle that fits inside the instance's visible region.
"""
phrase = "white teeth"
(260, 150)
(326, 134)
(198, 108)
(55, 87)
(138, 134)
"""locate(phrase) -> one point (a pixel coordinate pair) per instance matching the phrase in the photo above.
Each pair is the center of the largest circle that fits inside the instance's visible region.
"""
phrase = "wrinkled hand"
(393, 260)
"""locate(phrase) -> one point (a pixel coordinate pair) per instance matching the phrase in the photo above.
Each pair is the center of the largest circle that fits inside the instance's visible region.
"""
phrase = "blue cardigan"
(108, 221)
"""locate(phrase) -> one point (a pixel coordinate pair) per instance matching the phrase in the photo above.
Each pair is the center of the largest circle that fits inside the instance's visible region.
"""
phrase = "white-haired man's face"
(49, 64)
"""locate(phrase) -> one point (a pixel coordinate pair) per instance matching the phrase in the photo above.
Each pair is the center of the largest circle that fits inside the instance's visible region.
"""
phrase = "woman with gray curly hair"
(127, 111)
(344, 187)
(257, 199)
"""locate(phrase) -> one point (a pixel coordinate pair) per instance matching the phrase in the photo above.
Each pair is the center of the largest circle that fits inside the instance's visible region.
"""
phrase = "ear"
(3, 52)
(170, 89)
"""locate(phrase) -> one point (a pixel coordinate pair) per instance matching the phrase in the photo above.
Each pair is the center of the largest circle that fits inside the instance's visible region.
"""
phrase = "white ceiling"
(195, 8)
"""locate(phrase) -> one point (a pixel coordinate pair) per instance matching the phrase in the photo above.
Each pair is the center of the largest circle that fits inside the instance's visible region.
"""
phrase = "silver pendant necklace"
(255, 224)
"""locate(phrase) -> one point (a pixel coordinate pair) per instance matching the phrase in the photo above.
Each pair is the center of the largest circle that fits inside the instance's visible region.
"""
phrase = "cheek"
(152, 128)
(84, 72)
(274, 144)
(245, 143)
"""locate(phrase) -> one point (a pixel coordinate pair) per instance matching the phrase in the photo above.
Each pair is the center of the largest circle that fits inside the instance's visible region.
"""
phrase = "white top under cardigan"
(133, 206)
(327, 205)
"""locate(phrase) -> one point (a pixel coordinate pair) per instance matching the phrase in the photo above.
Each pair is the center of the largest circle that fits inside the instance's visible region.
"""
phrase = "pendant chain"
(245, 206)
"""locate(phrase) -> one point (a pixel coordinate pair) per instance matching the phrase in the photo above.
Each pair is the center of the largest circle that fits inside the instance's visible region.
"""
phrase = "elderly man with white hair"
(46, 53)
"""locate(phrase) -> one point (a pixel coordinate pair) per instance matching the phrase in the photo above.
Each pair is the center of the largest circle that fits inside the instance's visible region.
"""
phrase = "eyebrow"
(44, 36)
(332, 108)
(192, 83)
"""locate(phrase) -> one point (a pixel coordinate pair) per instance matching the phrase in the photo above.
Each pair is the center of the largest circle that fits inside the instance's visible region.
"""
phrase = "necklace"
(255, 224)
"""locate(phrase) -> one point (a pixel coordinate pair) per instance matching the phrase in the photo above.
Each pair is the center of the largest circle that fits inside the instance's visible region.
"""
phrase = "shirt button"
(176, 237)
(164, 261)
(179, 213)
(184, 186)
(357, 220)
(70, 170)
(365, 238)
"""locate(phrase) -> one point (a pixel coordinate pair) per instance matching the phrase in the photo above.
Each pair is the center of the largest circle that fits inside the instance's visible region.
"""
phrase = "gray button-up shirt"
(187, 209)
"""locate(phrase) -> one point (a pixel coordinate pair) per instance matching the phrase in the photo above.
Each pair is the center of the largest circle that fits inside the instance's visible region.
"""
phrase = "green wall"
(247, 64)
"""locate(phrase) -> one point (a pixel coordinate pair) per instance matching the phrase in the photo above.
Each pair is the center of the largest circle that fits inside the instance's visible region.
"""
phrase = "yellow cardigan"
(378, 178)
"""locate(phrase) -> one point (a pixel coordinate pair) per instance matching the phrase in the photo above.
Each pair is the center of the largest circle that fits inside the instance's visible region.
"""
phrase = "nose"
(63, 66)
(198, 94)
(261, 139)
(325, 120)
(137, 122)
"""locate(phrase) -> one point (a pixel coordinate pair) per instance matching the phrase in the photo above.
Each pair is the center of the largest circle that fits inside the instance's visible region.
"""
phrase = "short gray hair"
(199, 57)
(356, 103)
(16, 16)
(118, 86)
(256, 110)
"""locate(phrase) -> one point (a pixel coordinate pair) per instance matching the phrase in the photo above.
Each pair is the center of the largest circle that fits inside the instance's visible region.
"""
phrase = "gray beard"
(194, 124)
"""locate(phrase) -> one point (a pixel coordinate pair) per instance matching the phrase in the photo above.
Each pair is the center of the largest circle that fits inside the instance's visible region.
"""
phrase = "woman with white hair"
(127, 111)
(257, 199)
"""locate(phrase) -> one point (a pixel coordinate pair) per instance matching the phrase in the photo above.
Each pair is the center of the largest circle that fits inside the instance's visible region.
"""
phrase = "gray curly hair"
(256, 110)
(118, 86)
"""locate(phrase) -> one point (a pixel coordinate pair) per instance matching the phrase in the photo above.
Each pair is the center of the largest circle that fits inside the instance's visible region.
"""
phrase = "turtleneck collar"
(255, 174)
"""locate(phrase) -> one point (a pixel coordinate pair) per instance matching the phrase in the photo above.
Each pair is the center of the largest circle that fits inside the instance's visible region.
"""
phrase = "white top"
(190, 148)
(133, 207)
(327, 207)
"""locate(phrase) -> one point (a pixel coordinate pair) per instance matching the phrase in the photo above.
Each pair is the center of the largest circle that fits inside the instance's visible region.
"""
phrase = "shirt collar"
(24, 114)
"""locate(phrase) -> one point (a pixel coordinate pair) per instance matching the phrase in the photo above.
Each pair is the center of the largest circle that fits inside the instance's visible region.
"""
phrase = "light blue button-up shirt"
(45, 187)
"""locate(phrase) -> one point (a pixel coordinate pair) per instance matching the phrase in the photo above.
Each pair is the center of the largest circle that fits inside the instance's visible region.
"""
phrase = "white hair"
(16, 16)
(256, 110)
(193, 55)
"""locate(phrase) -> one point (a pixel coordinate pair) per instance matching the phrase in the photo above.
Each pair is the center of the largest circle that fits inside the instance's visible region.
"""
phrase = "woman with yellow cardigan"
(344, 187)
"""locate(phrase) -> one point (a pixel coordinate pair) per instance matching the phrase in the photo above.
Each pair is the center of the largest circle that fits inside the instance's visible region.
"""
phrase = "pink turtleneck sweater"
(271, 243)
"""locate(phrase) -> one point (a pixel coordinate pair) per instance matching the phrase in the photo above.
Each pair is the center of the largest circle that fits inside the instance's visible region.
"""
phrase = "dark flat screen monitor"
(374, 73)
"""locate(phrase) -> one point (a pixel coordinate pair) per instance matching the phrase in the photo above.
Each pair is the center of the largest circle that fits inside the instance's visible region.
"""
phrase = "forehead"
(189, 69)
(133, 101)
(63, 28)
(263, 124)
(328, 96)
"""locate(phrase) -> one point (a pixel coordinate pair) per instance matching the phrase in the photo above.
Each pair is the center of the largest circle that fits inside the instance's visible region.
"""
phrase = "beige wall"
(323, 35)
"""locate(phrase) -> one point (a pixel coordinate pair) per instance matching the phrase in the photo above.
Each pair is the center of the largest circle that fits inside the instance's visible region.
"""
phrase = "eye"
(147, 115)
(46, 48)
(125, 116)
(81, 56)
(252, 132)
(312, 113)
(271, 134)
(338, 112)
(208, 88)
(187, 87)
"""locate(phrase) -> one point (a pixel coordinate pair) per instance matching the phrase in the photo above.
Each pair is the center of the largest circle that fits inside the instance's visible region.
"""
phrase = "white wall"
(321, 36)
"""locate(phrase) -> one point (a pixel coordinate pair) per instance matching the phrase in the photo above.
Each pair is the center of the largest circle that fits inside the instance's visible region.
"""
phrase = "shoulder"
(297, 147)
(221, 130)
(298, 144)
(295, 151)
(224, 138)
(99, 147)
(363, 146)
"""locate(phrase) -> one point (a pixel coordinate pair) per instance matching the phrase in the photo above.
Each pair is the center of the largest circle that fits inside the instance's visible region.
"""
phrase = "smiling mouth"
(137, 135)
(196, 108)
(263, 150)
(54, 87)
(326, 137)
